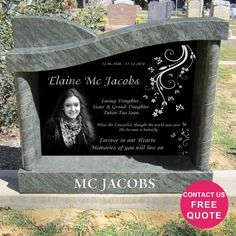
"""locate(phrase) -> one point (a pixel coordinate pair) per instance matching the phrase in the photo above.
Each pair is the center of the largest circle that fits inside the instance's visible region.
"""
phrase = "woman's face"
(71, 107)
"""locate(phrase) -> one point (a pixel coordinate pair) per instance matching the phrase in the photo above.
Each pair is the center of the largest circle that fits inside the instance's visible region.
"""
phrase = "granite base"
(110, 175)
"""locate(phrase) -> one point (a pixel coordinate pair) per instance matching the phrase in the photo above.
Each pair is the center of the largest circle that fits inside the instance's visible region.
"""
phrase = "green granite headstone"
(129, 111)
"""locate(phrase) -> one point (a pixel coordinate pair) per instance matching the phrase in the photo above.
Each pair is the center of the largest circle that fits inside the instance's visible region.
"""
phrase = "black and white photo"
(69, 130)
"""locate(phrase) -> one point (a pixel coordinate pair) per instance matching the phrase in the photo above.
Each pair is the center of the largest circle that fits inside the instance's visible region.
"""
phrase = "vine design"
(182, 138)
(164, 79)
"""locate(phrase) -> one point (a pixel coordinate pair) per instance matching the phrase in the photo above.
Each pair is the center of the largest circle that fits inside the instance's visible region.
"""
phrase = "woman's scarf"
(70, 130)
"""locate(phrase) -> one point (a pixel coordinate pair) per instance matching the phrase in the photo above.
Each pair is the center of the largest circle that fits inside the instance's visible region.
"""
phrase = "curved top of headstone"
(34, 32)
(49, 44)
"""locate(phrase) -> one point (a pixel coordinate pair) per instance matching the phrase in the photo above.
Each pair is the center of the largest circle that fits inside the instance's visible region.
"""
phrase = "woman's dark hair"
(87, 126)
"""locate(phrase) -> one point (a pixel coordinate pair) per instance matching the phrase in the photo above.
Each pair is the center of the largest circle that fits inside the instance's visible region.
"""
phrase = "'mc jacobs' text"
(122, 183)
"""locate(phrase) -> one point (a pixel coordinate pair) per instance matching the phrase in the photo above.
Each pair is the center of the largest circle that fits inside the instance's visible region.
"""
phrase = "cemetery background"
(223, 139)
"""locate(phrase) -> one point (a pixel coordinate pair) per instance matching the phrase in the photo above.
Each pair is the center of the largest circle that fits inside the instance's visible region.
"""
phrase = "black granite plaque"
(134, 103)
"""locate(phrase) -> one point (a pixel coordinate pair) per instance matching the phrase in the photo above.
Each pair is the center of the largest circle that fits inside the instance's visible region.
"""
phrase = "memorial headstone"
(123, 112)
(120, 15)
(170, 8)
(194, 8)
(129, 2)
(160, 10)
(233, 11)
(157, 10)
(220, 9)
(104, 3)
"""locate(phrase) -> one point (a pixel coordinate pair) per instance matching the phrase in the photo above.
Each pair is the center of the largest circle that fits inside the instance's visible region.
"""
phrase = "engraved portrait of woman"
(69, 129)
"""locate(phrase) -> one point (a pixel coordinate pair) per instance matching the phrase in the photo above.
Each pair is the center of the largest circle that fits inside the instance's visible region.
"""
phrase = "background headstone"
(170, 8)
(233, 11)
(194, 8)
(129, 2)
(220, 9)
(157, 10)
(121, 15)
(104, 3)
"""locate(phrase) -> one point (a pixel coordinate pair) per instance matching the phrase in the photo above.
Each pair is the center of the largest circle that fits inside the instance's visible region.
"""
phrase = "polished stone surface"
(59, 47)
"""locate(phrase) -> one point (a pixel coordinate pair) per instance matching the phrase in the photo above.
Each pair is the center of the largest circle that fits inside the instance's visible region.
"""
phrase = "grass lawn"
(232, 26)
(233, 31)
(105, 223)
(224, 125)
(232, 23)
(228, 53)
